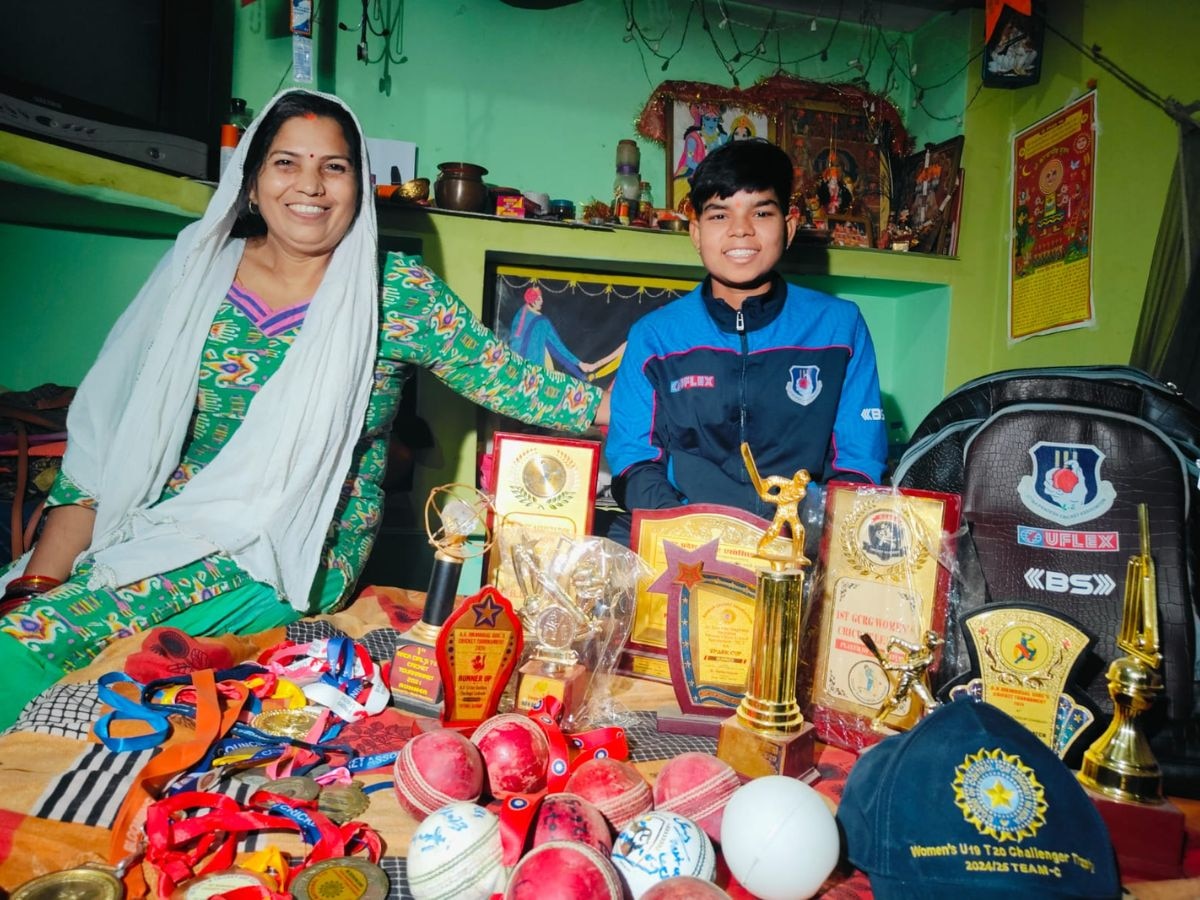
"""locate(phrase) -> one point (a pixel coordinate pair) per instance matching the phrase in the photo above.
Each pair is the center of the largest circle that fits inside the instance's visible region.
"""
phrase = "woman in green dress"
(227, 447)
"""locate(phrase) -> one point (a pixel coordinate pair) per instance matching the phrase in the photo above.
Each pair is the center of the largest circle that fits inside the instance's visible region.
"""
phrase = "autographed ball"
(564, 870)
(660, 845)
(616, 788)
(515, 754)
(455, 854)
(437, 768)
(696, 785)
(568, 817)
(685, 887)
(779, 838)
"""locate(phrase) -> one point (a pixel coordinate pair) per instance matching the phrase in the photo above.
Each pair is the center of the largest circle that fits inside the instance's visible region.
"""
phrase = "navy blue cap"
(970, 802)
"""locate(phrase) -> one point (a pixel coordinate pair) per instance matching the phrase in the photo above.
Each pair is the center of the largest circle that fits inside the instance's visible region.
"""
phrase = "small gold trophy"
(768, 734)
(453, 513)
(1119, 770)
(910, 674)
(1120, 764)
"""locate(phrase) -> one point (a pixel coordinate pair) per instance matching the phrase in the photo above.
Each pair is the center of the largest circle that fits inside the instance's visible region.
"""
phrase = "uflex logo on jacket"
(804, 385)
(1065, 486)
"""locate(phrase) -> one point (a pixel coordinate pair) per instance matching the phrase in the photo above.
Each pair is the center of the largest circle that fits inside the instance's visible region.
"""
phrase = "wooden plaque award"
(710, 635)
(477, 648)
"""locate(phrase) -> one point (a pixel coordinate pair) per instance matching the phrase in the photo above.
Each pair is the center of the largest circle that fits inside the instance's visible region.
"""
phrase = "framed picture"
(924, 193)
(698, 126)
(850, 231)
(1012, 53)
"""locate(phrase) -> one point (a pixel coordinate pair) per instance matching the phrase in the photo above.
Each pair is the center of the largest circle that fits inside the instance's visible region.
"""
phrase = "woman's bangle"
(28, 585)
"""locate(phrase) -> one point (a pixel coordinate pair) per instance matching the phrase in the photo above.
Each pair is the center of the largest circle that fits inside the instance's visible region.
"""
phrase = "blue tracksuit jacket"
(793, 375)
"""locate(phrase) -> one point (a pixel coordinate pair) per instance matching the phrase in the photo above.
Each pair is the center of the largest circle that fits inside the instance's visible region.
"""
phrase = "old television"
(141, 81)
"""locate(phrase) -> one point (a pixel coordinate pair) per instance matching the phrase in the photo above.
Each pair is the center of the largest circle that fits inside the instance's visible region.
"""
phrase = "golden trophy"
(910, 674)
(768, 734)
(1119, 770)
(453, 513)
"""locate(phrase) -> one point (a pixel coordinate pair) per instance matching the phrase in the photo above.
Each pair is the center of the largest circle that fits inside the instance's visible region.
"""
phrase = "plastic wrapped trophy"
(453, 514)
(1119, 769)
(768, 734)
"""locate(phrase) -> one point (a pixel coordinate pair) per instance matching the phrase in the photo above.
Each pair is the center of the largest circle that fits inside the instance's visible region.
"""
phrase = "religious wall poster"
(1050, 274)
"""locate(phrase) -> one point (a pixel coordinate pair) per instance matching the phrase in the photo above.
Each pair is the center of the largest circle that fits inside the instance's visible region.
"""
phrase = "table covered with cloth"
(61, 788)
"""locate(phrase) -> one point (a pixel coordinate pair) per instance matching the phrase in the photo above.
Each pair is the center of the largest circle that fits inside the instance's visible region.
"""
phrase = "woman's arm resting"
(67, 533)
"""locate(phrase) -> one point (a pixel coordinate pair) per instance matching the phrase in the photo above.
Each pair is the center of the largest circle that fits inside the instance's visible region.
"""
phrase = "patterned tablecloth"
(60, 789)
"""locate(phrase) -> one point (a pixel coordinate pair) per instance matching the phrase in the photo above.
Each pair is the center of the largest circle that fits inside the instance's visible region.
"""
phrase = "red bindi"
(311, 116)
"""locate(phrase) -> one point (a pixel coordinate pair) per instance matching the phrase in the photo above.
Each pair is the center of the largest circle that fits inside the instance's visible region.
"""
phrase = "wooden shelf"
(59, 187)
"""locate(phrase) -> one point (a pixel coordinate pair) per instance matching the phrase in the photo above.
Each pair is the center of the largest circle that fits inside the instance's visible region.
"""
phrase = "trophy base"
(1148, 837)
(645, 663)
(672, 720)
(753, 754)
(538, 679)
(416, 683)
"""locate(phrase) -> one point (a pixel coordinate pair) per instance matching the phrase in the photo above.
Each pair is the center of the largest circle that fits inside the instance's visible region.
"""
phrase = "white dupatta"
(268, 497)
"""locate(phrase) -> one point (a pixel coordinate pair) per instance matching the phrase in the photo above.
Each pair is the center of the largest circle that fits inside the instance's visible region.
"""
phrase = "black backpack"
(1051, 464)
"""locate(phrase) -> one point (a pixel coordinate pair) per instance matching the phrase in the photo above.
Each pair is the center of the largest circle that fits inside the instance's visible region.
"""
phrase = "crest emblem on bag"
(1065, 486)
(804, 384)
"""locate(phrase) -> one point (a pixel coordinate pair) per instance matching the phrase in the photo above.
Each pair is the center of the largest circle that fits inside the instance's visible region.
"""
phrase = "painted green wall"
(542, 97)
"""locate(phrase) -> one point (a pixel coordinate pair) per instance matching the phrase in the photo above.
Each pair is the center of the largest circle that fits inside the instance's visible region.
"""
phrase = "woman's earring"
(251, 207)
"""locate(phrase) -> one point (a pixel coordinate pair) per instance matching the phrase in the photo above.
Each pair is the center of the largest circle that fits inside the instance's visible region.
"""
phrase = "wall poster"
(1050, 274)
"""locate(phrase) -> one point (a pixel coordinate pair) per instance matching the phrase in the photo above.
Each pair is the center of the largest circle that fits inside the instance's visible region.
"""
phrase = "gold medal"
(83, 883)
(343, 803)
(347, 878)
(287, 723)
(297, 787)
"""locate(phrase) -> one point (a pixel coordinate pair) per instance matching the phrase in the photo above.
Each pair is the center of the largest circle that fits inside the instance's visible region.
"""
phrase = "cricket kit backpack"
(1052, 465)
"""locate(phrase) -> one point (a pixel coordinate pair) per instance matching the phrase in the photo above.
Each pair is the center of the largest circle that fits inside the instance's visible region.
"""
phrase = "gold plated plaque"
(882, 576)
(545, 488)
(659, 533)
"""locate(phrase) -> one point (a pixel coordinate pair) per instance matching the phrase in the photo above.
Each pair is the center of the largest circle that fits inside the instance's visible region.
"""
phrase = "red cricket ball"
(515, 754)
(568, 817)
(564, 870)
(616, 788)
(697, 786)
(684, 887)
(436, 768)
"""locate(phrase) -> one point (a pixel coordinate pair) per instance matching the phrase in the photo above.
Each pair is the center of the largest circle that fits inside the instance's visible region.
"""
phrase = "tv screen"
(156, 69)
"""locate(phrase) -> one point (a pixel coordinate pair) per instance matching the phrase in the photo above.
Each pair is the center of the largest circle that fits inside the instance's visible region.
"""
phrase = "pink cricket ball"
(684, 887)
(436, 768)
(696, 785)
(515, 754)
(616, 788)
(564, 870)
(568, 817)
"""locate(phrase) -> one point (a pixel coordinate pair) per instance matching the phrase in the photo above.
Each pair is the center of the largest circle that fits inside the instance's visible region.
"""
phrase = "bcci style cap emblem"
(1065, 486)
(999, 795)
(804, 384)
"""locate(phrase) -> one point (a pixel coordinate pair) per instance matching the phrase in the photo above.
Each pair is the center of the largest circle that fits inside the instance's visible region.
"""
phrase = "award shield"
(453, 513)
(768, 734)
(1023, 659)
(710, 635)
(883, 575)
(737, 534)
(477, 649)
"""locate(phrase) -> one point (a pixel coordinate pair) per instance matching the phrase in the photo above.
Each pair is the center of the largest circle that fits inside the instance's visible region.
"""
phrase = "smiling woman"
(227, 448)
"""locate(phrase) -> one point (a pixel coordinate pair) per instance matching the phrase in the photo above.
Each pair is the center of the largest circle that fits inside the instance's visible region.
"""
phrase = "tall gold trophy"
(1119, 770)
(768, 734)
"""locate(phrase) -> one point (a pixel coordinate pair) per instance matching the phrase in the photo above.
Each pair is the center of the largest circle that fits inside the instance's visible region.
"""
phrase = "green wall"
(541, 97)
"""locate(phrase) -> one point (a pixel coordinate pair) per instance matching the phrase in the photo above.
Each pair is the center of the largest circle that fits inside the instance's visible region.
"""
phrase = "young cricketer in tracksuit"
(745, 357)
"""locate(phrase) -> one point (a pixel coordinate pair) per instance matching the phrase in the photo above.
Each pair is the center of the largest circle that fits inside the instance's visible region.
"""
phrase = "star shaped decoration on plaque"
(486, 613)
(685, 567)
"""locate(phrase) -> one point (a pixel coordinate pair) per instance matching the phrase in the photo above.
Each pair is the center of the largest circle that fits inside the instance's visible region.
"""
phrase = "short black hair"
(289, 106)
(749, 165)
